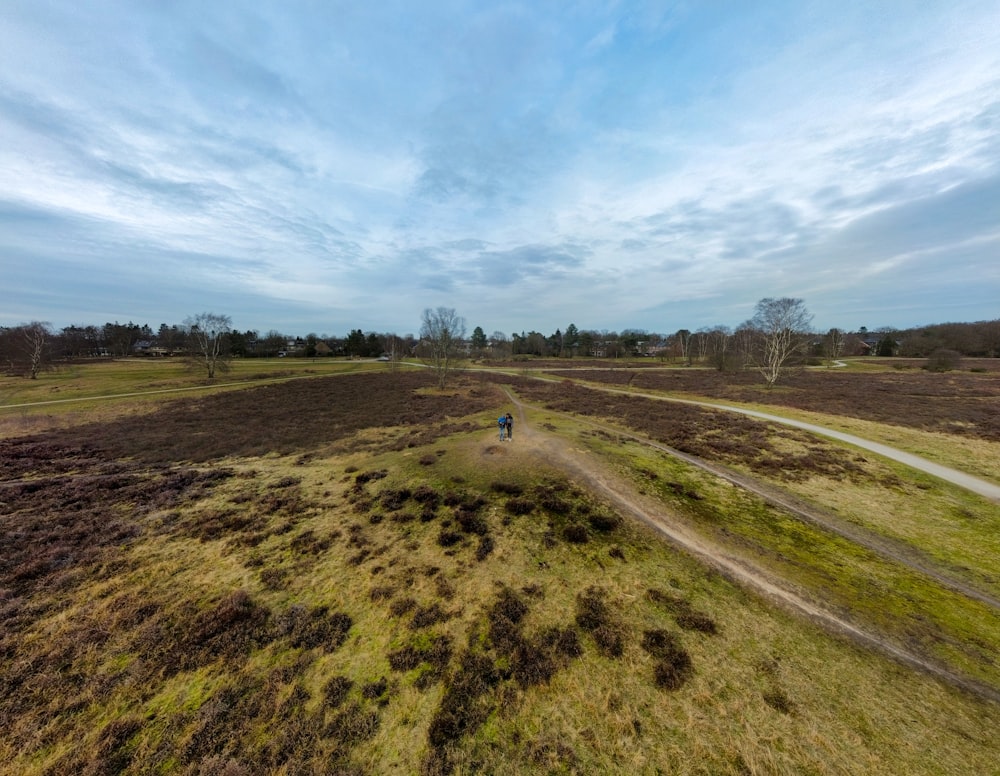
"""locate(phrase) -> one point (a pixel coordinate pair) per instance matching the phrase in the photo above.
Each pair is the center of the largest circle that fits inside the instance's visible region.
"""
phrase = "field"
(337, 568)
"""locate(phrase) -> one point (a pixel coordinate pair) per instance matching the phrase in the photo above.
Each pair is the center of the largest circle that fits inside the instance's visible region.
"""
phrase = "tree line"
(30, 347)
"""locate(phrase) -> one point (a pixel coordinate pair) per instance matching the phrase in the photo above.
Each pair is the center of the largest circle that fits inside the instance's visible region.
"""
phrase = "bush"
(943, 360)
(519, 506)
(673, 667)
(575, 533)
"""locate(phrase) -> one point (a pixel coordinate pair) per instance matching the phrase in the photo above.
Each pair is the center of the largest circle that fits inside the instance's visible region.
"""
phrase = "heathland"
(338, 568)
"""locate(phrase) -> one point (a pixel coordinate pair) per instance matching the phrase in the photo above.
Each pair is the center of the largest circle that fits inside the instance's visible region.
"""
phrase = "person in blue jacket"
(502, 423)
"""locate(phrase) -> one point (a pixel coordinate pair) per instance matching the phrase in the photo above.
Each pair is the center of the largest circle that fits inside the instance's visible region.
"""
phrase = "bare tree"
(721, 353)
(209, 336)
(499, 345)
(35, 343)
(683, 340)
(393, 349)
(443, 331)
(783, 327)
(834, 344)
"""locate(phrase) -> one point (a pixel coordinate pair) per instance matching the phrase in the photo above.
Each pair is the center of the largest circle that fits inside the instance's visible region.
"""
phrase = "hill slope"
(352, 575)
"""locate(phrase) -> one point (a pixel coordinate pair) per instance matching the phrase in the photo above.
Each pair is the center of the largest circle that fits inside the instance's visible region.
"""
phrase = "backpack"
(502, 421)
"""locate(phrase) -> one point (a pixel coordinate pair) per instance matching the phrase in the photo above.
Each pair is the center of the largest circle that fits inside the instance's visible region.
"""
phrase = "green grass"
(73, 388)
(207, 642)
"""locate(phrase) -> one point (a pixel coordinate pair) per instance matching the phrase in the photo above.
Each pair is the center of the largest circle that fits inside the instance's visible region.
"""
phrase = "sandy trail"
(594, 475)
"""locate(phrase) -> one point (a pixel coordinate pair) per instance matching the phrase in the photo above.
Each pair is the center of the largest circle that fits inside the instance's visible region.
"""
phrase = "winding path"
(976, 485)
(741, 570)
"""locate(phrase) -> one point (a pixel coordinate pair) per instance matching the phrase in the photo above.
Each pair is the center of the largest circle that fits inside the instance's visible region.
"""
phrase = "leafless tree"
(393, 346)
(834, 344)
(782, 325)
(209, 336)
(35, 342)
(499, 345)
(683, 340)
(443, 332)
(721, 353)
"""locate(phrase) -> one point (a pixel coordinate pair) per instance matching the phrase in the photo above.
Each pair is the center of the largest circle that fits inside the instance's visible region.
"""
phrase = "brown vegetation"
(952, 402)
(714, 435)
(120, 655)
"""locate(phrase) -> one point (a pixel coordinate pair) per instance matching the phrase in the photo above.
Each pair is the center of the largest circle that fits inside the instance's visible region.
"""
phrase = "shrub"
(401, 606)
(595, 616)
(507, 488)
(943, 360)
(448, 538)
(603, 522)
(425, 616)
(351, 726)
(375, 690)
(673, 665)
(463, 706)
(519, 506)
(310, 628)
(575, 534)
(471, 522)
(486, 546)
(778, 700)
(394, 498)
(425, 494)
(335, 691)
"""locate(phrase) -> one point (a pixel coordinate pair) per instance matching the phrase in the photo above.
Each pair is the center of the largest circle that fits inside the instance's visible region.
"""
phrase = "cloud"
(625, 164)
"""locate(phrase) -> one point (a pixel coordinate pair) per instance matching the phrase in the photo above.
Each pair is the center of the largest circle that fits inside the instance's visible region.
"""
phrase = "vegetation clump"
(685, 615)
(595, 616)
(673, 663)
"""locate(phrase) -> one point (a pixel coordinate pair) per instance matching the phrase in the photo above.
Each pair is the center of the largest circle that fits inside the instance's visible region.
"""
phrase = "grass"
(914, 609)
(260, 612)
(68, 392)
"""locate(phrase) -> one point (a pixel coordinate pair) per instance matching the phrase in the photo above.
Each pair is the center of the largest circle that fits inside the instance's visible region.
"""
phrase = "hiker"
(510, 427)
(502, 423)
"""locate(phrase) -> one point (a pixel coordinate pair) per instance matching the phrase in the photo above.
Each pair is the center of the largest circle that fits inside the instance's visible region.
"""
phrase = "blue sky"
(315, 167)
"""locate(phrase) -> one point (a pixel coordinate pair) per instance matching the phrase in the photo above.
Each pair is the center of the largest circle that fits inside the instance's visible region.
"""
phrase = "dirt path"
(976, 485)
(595, 475)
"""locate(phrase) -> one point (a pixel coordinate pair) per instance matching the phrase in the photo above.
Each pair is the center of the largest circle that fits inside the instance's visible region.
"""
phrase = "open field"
(960, 403)
(349, 574)
(107, 389)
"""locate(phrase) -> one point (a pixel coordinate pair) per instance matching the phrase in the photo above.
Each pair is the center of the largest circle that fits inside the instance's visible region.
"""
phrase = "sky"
(317, 167)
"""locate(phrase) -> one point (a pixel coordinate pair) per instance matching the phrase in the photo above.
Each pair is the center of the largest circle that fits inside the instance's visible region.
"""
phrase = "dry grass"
(243, 616)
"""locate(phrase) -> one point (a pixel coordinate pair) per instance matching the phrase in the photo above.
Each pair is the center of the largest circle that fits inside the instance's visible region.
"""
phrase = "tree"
(478, 341)
(782, 326)
(833, 344)
(393, 347)
(443, 331)
(721, 353)
(499, 345)
(632, 341)
(272, 344)
(683, 340)
(120, 338)
(35, 341)
(887, 344)
(570, 341)
(356, 344)
(208, 335)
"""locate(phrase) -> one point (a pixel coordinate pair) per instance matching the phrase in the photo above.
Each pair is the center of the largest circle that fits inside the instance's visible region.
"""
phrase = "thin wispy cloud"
(321, 168)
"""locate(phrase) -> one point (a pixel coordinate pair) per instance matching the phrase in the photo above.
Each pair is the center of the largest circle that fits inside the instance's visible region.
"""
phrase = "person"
(502, 423)
(510, 427)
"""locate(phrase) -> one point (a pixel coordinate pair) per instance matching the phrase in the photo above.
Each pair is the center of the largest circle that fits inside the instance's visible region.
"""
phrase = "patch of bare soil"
(554, 450)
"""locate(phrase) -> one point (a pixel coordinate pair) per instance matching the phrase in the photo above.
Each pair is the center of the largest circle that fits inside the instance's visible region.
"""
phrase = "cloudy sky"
(315, 167)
